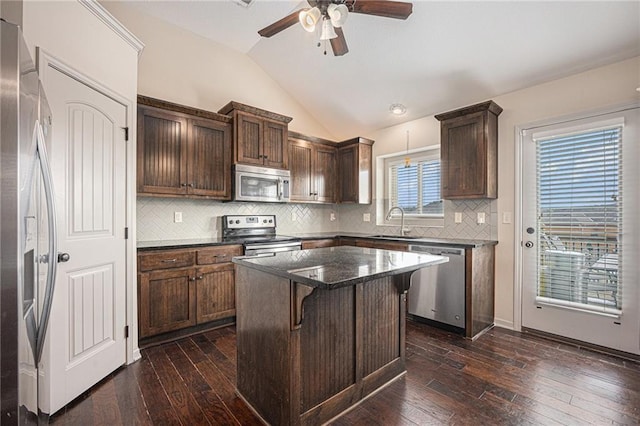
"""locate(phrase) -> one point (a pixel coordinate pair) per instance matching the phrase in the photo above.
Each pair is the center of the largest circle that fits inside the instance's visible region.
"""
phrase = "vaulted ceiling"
(445, 55)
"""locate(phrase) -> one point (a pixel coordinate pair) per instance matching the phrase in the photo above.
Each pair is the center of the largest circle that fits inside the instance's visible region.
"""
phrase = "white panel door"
(87, 327)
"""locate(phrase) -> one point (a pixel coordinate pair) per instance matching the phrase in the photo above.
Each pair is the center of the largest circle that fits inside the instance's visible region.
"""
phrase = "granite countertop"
(335, 267)
(213, 241)
(173, 244)
(449, 242)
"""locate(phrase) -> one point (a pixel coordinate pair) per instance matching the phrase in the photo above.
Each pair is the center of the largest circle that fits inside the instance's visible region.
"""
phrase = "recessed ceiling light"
(397, 109)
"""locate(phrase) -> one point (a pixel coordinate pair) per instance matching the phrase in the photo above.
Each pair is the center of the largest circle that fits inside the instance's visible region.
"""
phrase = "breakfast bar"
(319, 330)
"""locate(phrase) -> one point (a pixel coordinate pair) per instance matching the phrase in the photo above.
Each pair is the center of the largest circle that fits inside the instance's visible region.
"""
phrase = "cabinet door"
(249, 136)
(215, 292)
(348, 185)
(210, 158)
(325, 173)
(463, 153)
(301, 164)
(275, 150)
(162, 152)
(166, 301)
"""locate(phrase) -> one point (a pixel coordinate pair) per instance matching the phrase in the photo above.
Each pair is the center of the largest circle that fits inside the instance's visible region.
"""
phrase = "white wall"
(73, 34)
(187, 69)
(598, 88)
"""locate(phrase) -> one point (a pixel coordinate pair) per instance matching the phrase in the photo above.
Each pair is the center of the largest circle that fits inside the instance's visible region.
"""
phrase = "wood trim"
(263, 113)
(481, 107)
(170, 106)
(313, 139)
(354, 141)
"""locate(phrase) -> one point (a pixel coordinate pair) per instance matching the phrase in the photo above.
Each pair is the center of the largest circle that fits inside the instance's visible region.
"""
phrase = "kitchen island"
(319, 330)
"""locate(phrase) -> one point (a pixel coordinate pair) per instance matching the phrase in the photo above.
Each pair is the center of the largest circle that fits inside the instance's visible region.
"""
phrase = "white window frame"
(384, 163)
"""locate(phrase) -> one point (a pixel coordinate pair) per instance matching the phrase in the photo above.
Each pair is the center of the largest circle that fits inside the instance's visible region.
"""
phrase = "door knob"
(528, 244)
(63, 257)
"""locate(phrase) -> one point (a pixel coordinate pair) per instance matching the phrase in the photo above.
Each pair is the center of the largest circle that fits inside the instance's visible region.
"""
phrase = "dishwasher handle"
(440, 251)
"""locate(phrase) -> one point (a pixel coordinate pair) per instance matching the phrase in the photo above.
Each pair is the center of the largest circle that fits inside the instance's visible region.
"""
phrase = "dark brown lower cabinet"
(215, 292)
(166, 301)
(182, 288)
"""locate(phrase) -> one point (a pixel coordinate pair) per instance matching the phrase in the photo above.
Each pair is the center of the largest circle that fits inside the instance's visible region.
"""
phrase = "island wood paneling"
(305, 355)
(327, 343)
(381, 328)
(479, 289)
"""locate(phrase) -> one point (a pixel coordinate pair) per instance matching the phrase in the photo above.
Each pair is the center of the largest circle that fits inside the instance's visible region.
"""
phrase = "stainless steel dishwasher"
(437, 293)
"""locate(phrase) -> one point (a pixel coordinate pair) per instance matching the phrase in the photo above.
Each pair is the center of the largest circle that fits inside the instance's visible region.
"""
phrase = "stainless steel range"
(257, 234)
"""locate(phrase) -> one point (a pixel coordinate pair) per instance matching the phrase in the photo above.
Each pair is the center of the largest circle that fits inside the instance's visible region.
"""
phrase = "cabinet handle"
(220, 255)
(192, 278)
(265, 157)
(169, 260)
(191, 185)
(183, 184)
(200, 277)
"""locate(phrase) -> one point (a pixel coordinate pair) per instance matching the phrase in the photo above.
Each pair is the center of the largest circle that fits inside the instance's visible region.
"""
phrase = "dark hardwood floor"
(502, 378)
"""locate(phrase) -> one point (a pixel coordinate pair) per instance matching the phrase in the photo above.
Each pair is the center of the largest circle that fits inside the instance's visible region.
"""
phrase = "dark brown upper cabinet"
(355, 171)
(469, 152)
(183, 151)
(313, 166)
(260, 136)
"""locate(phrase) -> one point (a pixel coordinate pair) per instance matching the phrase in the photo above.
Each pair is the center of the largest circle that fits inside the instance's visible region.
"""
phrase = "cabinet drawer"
(384, 245)
(329, 242)
(165, 260)
(219, 254)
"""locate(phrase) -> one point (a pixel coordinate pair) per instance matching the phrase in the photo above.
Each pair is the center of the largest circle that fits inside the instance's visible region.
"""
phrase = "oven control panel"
(248, 222)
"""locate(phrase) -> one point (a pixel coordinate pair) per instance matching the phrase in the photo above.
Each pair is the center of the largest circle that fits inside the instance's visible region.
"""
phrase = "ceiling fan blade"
(280, 25)
(385, 8)
(339, 44)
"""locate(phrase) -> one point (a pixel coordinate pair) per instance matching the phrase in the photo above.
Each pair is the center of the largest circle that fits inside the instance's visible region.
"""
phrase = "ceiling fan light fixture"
(327, 30)
(309, 18)
(338, 14)
(397, 109)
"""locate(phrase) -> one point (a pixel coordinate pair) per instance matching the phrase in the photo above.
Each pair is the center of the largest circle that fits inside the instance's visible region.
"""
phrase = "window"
(415, 188)
(579, 215)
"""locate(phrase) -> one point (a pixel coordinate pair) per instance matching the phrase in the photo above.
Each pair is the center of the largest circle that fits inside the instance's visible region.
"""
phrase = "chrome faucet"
(402, 228)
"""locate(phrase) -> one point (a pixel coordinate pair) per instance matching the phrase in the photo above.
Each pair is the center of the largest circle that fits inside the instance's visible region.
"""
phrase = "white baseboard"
(503, 323)
(136, 356)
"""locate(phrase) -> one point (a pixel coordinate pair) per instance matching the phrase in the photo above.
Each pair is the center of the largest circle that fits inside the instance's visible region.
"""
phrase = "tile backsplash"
(201, 218)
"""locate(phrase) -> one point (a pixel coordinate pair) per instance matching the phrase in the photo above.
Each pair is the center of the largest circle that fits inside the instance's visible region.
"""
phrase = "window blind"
(416, 188)
(579, 217)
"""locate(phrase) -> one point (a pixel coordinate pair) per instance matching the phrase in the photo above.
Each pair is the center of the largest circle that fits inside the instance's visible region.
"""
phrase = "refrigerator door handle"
(53, 243)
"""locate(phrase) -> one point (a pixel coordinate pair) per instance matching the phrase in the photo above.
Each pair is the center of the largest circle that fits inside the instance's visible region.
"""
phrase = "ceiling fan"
(331, 14)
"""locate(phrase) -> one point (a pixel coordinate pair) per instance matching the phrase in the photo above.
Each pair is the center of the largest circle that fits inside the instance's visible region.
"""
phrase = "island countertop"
(336, 267)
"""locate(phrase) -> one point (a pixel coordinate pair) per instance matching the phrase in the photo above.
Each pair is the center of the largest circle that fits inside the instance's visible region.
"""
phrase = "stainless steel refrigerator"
(28, 252)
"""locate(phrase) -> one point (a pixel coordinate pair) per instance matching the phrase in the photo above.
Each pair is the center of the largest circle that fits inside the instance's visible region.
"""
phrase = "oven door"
(259, 184)
(270, 248)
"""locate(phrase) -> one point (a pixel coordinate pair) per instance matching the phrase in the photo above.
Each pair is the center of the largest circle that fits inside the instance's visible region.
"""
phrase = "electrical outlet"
(366, 217)
(481, 218)
(332, 216)
(506, 217)
(177, 217)
(457, 217)
(294, 217)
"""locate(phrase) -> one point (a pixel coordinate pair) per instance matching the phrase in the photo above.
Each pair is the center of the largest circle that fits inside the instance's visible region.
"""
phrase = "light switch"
(506, 217)
(366, 217)
(481, 217)
(177, 217)
(457, 217)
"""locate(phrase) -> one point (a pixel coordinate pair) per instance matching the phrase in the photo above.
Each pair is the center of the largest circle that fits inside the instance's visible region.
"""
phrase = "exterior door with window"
(580, 230)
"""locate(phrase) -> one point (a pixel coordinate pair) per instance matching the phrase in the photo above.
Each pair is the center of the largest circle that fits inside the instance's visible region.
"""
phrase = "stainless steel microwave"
(252, 183)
